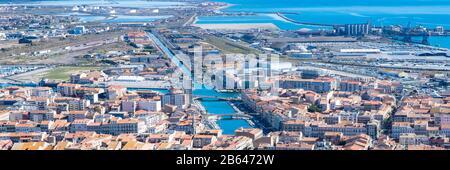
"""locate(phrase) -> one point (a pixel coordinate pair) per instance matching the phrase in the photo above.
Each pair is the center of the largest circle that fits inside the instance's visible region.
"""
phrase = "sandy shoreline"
(268, 26)
(225, 6)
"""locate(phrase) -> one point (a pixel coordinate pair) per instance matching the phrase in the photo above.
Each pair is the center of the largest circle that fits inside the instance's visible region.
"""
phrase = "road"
(191, 20)
(85, 46)
(337, 72)
(356, 64)
(30, 75)
(175, 60)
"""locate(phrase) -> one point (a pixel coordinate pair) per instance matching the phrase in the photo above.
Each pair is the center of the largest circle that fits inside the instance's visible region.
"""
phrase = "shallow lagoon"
(126, 19)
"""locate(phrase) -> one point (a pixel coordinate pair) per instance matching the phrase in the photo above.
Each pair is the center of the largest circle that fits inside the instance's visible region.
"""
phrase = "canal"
(218, 107)
(212, 106)
(215, 107)
(209, 96)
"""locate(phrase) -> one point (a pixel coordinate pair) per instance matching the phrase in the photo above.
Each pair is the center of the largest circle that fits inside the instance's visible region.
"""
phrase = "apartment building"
(319, 85)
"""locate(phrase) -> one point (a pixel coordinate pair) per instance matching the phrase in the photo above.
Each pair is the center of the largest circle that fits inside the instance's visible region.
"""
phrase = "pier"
(282, 15)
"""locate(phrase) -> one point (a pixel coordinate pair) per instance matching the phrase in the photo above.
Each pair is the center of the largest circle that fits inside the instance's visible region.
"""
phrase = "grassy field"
(63, 73)
(230, 47)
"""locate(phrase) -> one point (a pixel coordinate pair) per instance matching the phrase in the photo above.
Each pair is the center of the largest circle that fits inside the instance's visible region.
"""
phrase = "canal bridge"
(238, 114)
(230, 116)
(216, 98)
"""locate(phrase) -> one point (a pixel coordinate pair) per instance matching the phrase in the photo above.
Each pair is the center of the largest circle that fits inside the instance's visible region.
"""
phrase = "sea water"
(429, 13)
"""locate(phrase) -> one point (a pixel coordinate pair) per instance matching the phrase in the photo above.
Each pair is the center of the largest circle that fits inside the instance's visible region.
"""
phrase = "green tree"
(314, 108)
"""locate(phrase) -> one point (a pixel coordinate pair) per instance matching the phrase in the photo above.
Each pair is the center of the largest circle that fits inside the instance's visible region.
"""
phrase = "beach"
(228, 5)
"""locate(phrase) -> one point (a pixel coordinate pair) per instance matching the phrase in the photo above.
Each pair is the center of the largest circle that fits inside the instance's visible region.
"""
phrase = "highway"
(191, 20)
(27, 76)
(85, 46)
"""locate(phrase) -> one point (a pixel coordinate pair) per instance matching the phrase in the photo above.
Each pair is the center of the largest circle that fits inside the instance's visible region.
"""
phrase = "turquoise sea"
(427, 13)
(443, 42)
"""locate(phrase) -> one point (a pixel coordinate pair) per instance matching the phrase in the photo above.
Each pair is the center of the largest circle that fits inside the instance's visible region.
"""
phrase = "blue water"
(5, 85)
(212, 106)
(217, 107)
(229, 126)
(212, 93)
(91, 18)
(436, 41)
(197, 92)
(429, 13)
(127, 19)
(260, 18)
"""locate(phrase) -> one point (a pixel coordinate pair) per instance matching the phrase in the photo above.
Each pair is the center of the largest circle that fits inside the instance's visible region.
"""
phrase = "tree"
(314, 108)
